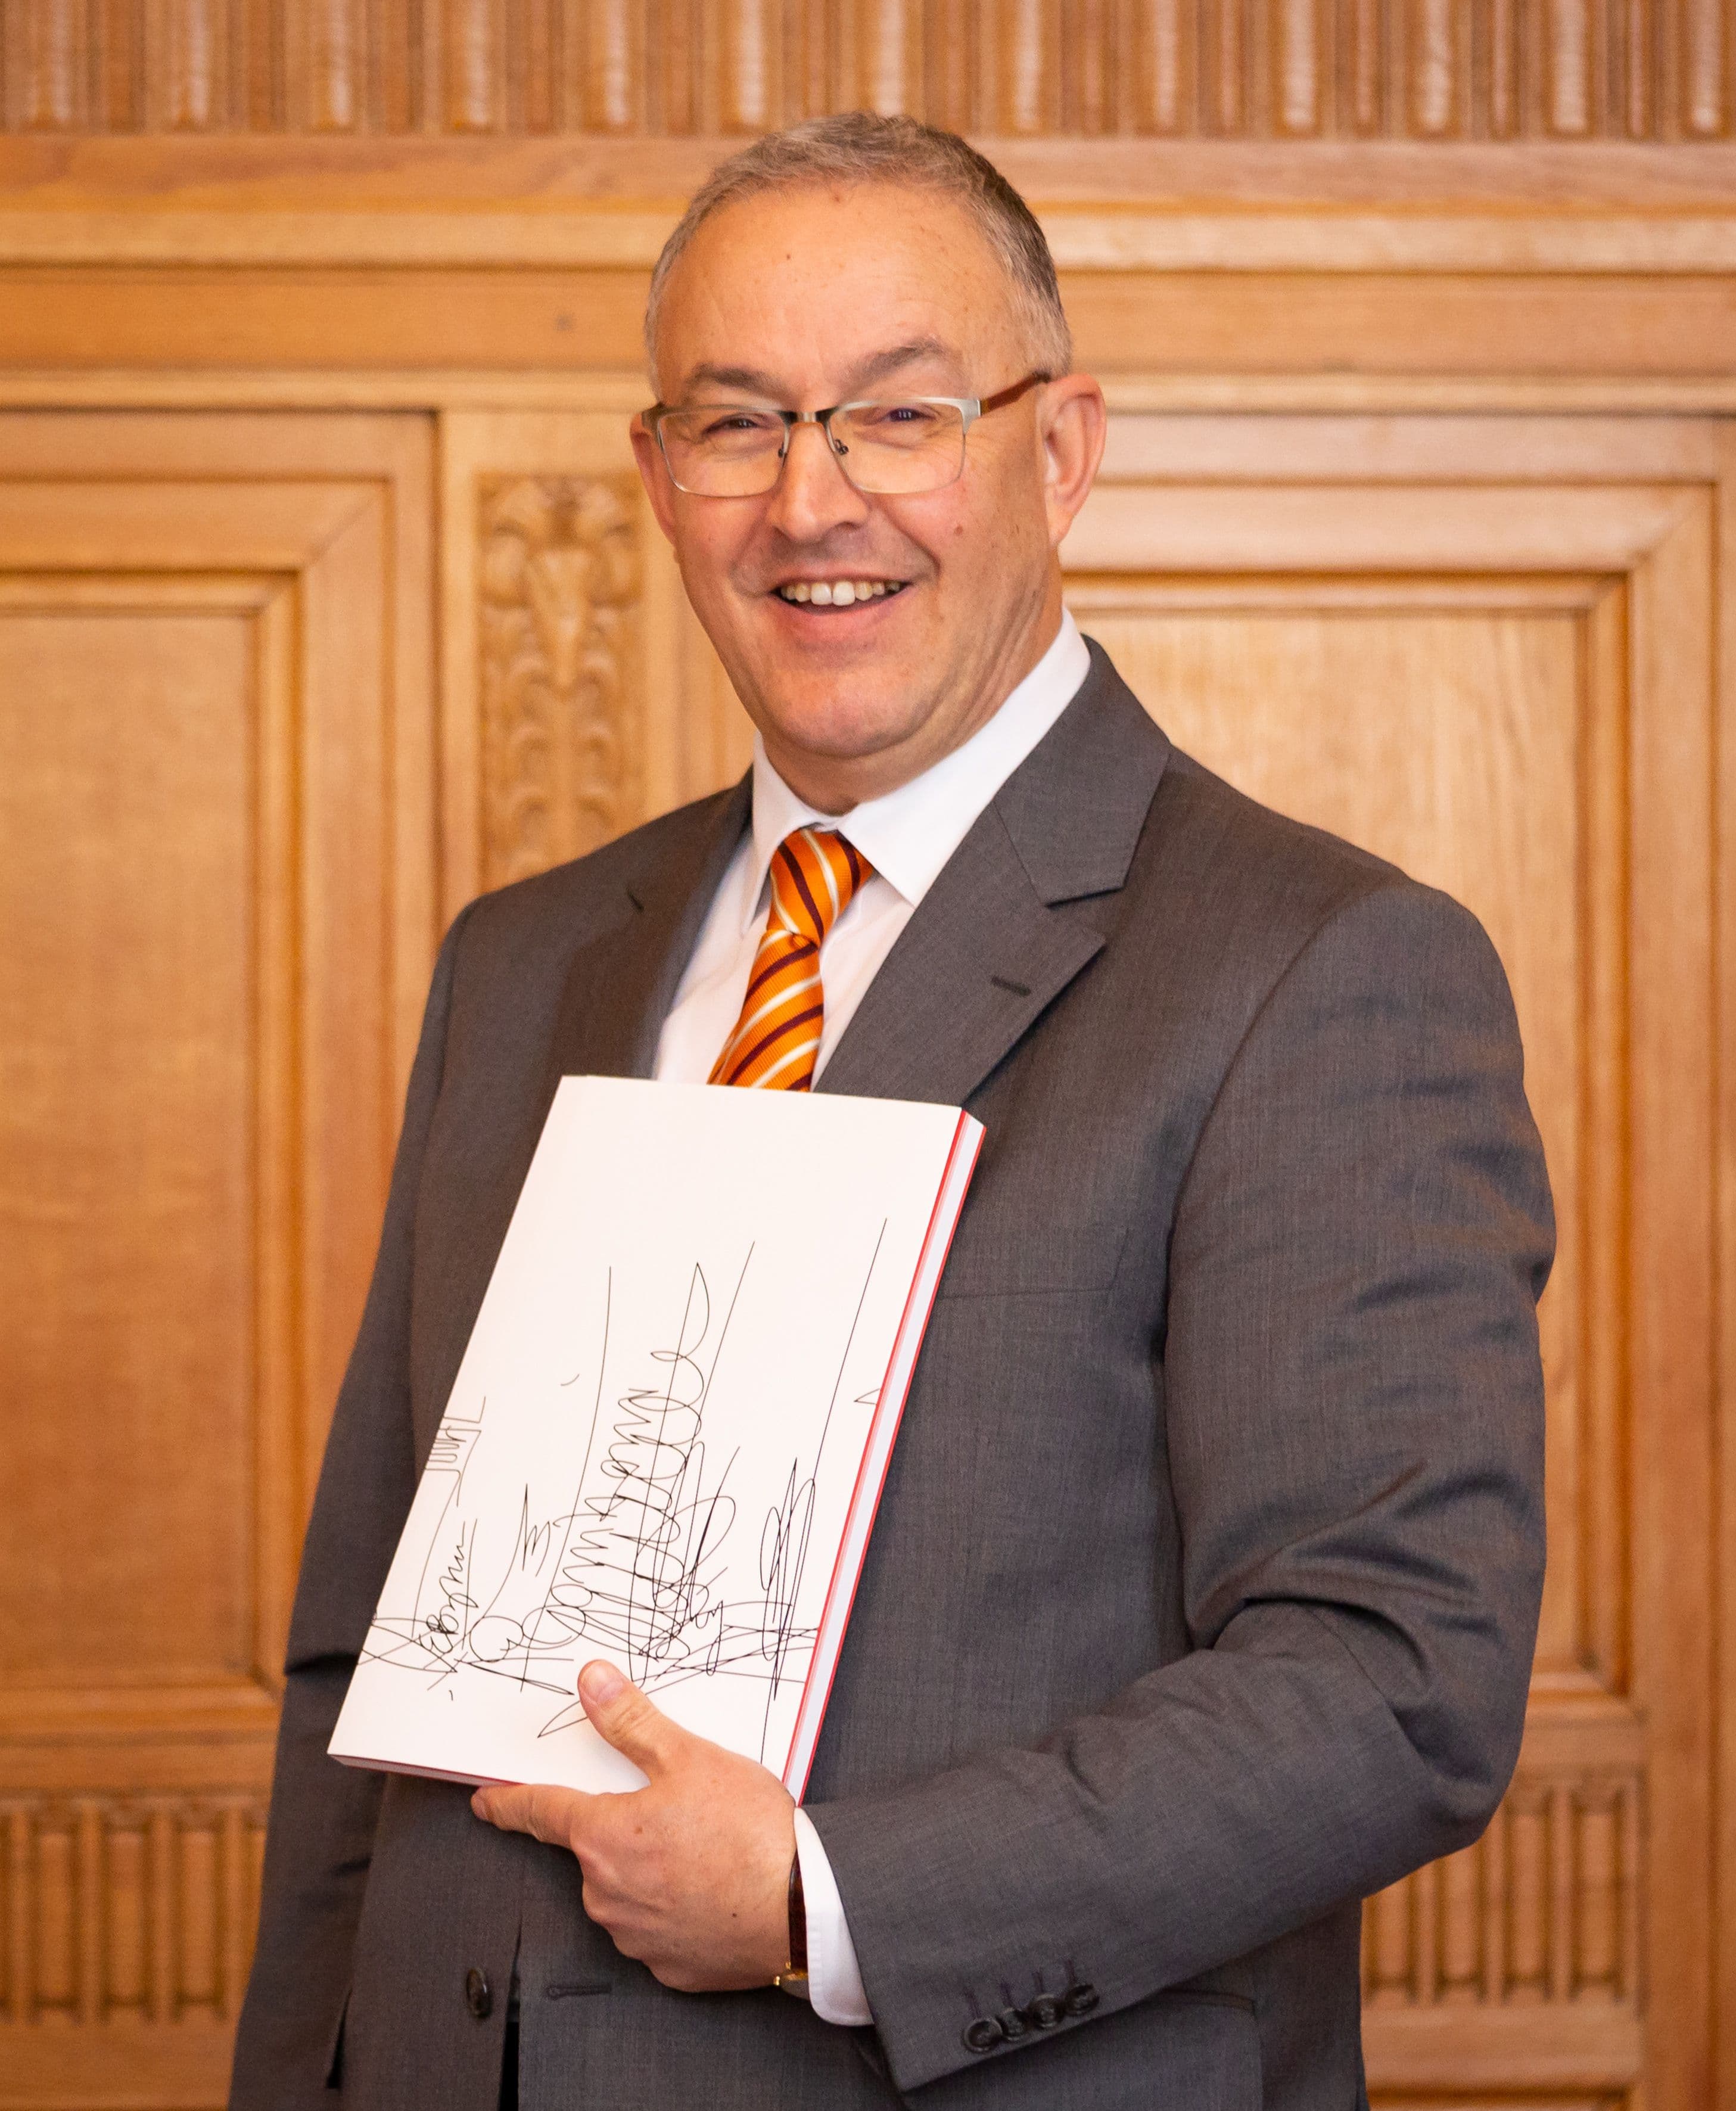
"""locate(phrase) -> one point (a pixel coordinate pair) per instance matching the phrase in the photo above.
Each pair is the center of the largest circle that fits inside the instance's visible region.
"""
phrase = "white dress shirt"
(907, 837)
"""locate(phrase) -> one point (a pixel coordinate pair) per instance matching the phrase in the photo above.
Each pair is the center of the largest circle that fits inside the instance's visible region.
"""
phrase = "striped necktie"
(815, 875)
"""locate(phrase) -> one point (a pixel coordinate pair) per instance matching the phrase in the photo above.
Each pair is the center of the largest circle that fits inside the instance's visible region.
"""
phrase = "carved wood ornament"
(561, 574)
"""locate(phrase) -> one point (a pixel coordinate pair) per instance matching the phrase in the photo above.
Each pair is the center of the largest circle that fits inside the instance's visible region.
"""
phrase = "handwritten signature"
(636, 1566)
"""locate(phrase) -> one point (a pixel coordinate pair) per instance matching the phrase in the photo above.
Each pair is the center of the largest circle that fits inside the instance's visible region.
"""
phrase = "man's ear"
(1072, 425)
(653, 474)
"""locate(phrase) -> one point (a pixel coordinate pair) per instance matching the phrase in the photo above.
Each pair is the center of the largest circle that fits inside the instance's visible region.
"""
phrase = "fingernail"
(601, 1683)
(479, 1803)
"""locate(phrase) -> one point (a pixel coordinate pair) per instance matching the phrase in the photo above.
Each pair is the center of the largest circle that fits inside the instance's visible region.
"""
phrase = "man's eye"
(729, 424)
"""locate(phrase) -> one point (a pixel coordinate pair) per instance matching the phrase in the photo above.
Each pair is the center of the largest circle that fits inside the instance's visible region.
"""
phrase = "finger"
(546, 1813)
(622, 1715)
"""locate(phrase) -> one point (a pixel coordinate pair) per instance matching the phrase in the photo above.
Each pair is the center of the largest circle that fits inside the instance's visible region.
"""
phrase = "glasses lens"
(900, 447)
(723, 450)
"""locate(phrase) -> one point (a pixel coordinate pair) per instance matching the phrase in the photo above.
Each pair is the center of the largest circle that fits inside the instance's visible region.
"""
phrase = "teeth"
(838, 593)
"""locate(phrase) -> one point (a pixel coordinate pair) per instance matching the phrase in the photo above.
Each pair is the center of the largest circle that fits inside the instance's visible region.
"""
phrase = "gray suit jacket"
(1203, 1594)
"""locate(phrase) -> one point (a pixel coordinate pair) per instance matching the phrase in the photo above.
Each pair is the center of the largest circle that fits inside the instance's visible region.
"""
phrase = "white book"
(667, 1440)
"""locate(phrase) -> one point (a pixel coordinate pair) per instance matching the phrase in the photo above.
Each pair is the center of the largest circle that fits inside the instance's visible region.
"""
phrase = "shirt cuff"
(834, 1982)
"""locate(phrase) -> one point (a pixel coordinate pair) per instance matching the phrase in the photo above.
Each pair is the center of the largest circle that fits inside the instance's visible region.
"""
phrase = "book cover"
(667, 1440)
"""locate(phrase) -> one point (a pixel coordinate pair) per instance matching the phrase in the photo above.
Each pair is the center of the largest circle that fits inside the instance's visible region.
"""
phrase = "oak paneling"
(1428, 69)
(1486, 649)
(216, 878)
(1485, 644)
(128, 1297)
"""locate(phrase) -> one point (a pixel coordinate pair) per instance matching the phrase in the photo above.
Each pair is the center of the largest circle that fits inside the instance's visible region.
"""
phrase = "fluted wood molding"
(1310, 70)
(120, 1907)
(1545, 1908)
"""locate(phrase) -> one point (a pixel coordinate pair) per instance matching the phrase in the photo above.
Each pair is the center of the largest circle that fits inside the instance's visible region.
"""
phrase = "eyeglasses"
(903, 445)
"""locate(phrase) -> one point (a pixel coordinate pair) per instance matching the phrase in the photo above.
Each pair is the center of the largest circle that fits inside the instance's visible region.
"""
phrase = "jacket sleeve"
(320, 1835)
(1353, 1405)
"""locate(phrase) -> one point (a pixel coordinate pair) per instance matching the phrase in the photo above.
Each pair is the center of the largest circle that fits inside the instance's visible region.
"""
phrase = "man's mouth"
(837, 593)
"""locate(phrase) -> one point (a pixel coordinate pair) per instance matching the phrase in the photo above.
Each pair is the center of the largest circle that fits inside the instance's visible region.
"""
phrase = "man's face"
(802, 299)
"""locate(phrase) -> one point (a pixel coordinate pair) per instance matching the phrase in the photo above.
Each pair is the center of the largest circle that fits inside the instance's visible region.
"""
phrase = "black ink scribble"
(633, 1566)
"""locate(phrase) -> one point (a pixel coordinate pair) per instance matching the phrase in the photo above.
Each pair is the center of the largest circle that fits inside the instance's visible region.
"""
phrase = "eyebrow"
(755, 381)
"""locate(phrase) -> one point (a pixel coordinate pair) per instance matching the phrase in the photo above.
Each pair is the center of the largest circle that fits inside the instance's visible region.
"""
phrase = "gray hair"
(860, 148)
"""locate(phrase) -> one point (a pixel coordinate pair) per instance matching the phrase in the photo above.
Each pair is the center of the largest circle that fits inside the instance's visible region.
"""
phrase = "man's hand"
(690, 1874)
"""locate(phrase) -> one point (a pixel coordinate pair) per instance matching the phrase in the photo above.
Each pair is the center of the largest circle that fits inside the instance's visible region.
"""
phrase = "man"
(1203, 1593)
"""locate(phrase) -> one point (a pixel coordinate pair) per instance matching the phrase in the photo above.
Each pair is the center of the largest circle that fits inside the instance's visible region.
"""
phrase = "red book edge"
(967, 1135)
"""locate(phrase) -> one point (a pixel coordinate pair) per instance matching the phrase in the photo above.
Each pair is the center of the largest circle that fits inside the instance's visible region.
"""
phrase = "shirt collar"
(908, 835)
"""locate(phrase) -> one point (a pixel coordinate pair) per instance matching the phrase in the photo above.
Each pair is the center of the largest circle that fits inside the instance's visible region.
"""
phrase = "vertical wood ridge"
(186, 63)
(335, 46)
(1227, 64)
(1361, 104)
(1166, 100)
(1705, 32)
(1298, 69)
(470, 48)
(1503, 103)
(46, 48)
(1570, 90)
(1434, 68)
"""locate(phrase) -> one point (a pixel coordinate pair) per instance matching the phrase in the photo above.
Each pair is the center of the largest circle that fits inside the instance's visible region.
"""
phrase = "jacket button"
(981, 2036)
(1045, 2012)
(479, 1994)
(1081, 2000)
(1013, 2024)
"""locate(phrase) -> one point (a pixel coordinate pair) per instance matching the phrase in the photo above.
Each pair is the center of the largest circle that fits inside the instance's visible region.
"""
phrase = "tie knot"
(815, 875)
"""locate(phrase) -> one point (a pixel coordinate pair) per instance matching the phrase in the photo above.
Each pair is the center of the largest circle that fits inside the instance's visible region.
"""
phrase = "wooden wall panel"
(1358, 69)
(216, 870)
(1485, 643)
(1485, 649)
(1483, 646)
(130, 1296)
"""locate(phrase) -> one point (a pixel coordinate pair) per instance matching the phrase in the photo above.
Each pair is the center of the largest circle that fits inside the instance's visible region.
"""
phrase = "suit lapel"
(993, 942)
(619, 988)
(977, 963)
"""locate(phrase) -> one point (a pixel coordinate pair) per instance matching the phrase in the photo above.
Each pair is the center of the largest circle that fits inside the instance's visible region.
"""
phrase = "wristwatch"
(793, 1979)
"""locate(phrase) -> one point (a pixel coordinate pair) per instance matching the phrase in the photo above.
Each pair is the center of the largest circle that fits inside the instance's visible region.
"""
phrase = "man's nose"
(814, 495)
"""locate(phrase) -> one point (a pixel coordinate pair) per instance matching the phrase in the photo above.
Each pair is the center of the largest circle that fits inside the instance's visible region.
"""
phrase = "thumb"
(623, 1717)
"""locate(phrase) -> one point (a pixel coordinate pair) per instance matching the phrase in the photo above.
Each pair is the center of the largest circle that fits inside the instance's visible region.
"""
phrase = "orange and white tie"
(815, 875)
